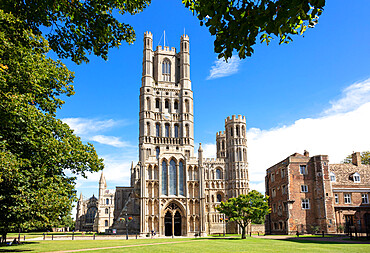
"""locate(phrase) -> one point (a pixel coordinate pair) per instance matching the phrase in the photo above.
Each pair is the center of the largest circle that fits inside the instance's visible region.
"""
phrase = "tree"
(245, 208)
(39, 154)
(365, 158)
(79, 28)
(237, 25)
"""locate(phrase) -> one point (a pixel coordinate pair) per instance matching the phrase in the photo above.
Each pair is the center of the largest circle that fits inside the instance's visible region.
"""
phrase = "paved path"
(338, 239)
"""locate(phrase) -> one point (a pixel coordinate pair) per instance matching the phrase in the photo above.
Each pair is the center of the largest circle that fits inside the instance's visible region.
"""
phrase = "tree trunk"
(3, 237)
(243, 232)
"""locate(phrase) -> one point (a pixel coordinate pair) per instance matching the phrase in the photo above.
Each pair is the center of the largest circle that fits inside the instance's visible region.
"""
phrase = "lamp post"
(224, 219)
(127, 220)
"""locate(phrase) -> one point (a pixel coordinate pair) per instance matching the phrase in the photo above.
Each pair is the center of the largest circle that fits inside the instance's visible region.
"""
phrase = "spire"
(102, 180)
(200, 147)
(81, 197)
(132, 164)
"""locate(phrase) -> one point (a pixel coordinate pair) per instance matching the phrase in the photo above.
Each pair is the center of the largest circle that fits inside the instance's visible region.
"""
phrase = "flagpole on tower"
(164, 38)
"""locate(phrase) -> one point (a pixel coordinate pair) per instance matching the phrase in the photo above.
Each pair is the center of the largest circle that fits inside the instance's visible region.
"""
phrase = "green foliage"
(39, 154)
(245, 208)
(365, 158)
(77, 28)
(237, 25)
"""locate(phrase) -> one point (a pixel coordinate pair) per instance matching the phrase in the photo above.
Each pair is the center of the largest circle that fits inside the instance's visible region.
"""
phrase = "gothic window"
(166, 104)
(90, 214)
(167, 128)
(243, 130)
(157, 130)
(166, 70)
(173, 178)
(157, 152)
(106, 211)
(150, 172)
(148, 104)
(148, 128)
(186, 105)
(181, 178)
(219, 198)
(176, 105)
(157, 103)
(107, 201)
(106, 223)
(164, 178)
(218, 174)
(187, 130)
(223, 144)
(237, 130)
(176, 131)
(190, 174)
(231, 131)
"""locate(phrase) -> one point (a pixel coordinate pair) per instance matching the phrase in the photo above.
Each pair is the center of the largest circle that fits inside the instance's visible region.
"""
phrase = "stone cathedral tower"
(173, 192)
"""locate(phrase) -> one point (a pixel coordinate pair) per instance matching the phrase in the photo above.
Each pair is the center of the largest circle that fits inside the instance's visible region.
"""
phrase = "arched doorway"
(177, 224)
(172, 221)
(168, 224)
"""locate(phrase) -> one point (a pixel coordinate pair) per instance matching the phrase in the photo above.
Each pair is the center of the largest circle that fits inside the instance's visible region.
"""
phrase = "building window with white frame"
(365, 198)
(336, 198)
(305, 204)
(332, 177)
(303, 169)
(347, 198)
(356, 178)
(304, 188)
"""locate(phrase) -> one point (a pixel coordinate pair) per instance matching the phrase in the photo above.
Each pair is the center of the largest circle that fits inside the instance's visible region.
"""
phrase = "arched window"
(90, 214)
(148, 128)
(176, 105)
(166, 104)
(166, 70)
(106, 211)
(107, 201)
(237, 130)
(157, 103)
(181, 178)
(148, 104)
(176, 131)
(187, 130)
(150, 172)
(164, 178)
(219, 198)
(223, 144)
(167, 132)
(173, 178)
(106, 223)
(157, 130)
(218, 174)
(157, 152)
(243, 131)
(186, 105)
(231, 131)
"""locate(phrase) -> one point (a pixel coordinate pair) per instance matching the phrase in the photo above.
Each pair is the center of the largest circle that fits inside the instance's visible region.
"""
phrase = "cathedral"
(172, 191)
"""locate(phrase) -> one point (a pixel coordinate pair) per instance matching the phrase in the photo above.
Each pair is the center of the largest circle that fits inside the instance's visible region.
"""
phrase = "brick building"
(308, 194)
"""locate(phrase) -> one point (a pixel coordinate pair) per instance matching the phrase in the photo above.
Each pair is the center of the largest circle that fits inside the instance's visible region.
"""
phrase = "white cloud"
(110, 140)
(84, 126)
(222, 68)
(353, 96)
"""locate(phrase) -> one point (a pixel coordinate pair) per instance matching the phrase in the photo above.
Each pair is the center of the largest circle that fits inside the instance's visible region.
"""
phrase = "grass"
(210, 244)
(30, 235)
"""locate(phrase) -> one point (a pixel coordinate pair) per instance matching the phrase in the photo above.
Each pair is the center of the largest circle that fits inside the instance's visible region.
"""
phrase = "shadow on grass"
(323, 241)
(7, 248)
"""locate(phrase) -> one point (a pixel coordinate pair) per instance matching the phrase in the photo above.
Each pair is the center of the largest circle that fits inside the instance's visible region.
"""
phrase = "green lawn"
(40, 234)
(192, 245)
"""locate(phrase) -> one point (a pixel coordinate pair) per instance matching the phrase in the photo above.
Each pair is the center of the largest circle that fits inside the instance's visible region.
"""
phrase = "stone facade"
(307, 194)
(172, 191)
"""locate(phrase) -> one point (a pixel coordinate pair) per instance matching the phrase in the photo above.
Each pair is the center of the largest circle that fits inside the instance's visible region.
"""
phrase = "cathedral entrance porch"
(173, 221)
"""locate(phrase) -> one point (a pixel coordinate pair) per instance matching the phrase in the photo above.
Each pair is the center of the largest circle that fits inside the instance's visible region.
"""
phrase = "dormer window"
(356, 178)
(332, 177)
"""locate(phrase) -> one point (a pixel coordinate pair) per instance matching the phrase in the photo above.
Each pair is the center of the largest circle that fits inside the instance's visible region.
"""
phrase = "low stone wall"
(258, 228)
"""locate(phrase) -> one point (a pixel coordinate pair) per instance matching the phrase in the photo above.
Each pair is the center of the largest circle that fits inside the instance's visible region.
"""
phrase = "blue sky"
(312, 94)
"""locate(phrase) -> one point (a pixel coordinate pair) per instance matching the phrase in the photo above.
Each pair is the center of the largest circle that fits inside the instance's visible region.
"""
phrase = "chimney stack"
(356, 158)
(306, 153)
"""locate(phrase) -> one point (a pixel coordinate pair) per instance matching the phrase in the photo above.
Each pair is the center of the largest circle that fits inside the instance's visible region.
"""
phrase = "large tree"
(39, 154)
(365, 158)
(245, 208)
(76, 29)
